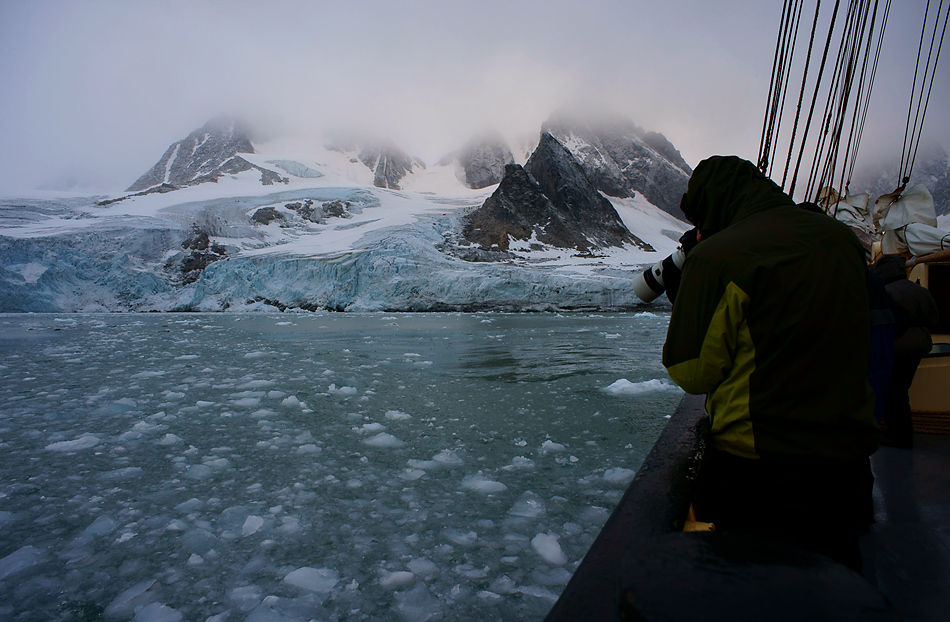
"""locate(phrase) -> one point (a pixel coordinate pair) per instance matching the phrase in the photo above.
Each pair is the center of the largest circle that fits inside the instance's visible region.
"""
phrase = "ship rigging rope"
(912, 137)
(839, 97)
(846, 104)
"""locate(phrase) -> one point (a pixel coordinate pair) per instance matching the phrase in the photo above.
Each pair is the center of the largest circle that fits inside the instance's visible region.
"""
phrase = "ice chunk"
(85, 441)
(246, 598)
(519, 462)
(619, 475)
(252, 525)
(538, 592)
(504, 585)
(554, 576)
(423, 567)
(333, 390)
(309, 448)
(625, 387)
(529, 505)
(447, 457)
(313, 579)
(148, 374)
(100, 527)
(19, 560)
(257, 384)
(397, 415)
(551, 446)
(191, 505)
(489, 597)
(384, 440)
(411, 475)
(170, 439)
(198, 541)
(396, 580)
(157, 612)
(122, 474)
(139, 595)
(417, 604)
(371, 427)
(547, 546)
(247, 402)
(199, 471)
(482, 484)
(460, 537)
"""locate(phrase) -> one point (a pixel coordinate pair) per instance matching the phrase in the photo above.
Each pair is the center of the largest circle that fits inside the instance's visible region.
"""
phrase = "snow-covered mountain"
(621, 159)
(205, 155)
(388, 163)
(328, 236)
(481, 162)
(548, 202)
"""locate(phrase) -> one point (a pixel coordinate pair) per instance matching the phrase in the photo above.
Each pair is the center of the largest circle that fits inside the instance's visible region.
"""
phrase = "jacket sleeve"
(705, 330)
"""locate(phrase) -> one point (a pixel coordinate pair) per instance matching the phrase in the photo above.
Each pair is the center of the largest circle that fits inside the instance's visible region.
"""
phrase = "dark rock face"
(266, 215)
(551, 201)
(621, 159)
(388, 163)
(518, 208)
(575, 198)
(200, 253)
(483, 160)
(204, 156)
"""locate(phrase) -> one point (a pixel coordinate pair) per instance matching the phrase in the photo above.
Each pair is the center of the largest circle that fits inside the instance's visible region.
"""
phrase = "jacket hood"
(726, 189)
(890, 268)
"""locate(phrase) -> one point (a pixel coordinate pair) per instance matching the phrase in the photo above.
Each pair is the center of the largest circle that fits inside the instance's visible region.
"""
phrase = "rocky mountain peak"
(206, 154)
(388, 163)
(550, 201)
(481, 160)
(621, 159)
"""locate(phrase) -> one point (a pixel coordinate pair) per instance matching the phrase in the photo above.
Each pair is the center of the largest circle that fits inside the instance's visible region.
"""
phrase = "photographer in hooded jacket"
(771, 322)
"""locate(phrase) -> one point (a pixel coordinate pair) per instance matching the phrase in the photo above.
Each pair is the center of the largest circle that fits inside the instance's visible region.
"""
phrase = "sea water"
(270, 467)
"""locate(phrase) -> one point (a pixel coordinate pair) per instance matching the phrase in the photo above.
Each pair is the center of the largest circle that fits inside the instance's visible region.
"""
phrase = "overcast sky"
(97, 90)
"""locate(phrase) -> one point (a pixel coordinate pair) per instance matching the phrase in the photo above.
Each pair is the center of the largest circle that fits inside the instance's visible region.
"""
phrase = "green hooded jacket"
(771, 321)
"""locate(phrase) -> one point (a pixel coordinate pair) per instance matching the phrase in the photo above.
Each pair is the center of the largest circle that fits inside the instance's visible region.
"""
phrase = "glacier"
(358, 248)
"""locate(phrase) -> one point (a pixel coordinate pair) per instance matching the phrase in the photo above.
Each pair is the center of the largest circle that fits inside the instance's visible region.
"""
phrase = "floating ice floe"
(313, 579)
(547, 546)
(21, 559)
(396, 580)
(619, 475)
(550, 446)
(446, 457)
(482, 484)
(519, 462)
(397, 415)
(252, 525)
(625, 387)
(333, 390)
(384, 440)
(85, 441)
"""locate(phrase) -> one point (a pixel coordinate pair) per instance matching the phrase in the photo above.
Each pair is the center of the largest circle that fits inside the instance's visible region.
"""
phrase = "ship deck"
(907, 552)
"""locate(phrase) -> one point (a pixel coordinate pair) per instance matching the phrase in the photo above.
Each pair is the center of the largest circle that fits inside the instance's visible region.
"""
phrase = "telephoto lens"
(649, 284)
(665, 275)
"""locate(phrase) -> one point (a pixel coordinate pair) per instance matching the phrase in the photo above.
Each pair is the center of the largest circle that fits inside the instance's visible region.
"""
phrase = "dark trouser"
(821, 505)
(900, 432)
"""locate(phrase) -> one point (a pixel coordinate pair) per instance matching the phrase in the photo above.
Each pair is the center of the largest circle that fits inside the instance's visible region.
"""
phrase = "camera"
(664, 276)
(649, 284)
